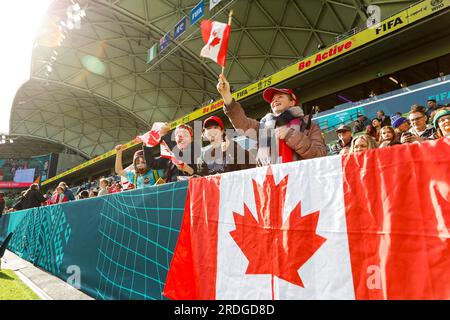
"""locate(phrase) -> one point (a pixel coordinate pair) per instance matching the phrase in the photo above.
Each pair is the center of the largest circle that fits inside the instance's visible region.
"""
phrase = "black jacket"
(386, 121)
(20, 204)
(33, 199)
(215, 161)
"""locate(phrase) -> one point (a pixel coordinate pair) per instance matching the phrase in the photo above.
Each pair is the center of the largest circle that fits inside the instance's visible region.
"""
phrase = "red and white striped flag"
(371, 225)
(215, 36)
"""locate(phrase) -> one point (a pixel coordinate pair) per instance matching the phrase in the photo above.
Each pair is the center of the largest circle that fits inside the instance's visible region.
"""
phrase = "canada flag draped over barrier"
(372, 225)
(215, 36)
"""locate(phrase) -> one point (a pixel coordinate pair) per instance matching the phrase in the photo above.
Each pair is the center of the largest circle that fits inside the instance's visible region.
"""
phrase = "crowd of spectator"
(420, 124)
(32, 197)
(296, 138)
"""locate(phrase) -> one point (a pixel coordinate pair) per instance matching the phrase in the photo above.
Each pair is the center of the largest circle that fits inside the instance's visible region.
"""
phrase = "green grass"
(12, 288)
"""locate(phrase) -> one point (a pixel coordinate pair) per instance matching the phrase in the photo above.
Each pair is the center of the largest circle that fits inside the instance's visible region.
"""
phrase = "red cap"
(269, 92)
(214, 119)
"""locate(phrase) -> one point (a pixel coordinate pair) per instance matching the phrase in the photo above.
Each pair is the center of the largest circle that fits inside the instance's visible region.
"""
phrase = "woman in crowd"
(59, 196)
(441, 121)
(370, 131)
(387, 137)
(221, 155)
(141, 175)
(376, 124)
(184, 151)
(362, 143)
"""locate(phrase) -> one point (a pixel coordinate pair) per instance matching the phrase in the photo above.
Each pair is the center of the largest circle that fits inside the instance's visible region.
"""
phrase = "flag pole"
(230, 17)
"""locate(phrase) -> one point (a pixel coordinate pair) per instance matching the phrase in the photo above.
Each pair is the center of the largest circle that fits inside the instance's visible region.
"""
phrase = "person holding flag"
(174, 164)
(141, 175)
(215, 36)
(285, 134)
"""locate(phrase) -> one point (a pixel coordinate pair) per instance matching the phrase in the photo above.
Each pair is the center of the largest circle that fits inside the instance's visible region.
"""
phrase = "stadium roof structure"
(91, 87)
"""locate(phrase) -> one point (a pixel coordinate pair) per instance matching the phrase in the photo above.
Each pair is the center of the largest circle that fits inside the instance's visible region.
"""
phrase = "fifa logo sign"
(389, 25)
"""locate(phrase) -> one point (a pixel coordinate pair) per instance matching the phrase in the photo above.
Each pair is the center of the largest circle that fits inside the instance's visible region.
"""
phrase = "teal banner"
(117, 246)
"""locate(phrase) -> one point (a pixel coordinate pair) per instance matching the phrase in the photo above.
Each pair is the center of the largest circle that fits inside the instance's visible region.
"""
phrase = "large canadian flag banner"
(371, 225)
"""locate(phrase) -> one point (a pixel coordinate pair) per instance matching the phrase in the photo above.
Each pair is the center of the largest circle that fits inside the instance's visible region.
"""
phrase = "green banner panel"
(117, 246)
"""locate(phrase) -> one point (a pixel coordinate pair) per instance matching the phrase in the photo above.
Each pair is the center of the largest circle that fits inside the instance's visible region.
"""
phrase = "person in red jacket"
(58, 196)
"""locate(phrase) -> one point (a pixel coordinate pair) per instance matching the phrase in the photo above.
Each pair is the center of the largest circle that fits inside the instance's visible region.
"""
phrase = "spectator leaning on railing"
(362, 143)
(140, 175)
(33, 198)
(388, 137)
(221, 155)
(284, 135)
(184, 151)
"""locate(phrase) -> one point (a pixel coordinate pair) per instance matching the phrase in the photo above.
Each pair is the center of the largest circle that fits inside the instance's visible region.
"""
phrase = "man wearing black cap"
(345, 138)
(221, 155)
(284, 135)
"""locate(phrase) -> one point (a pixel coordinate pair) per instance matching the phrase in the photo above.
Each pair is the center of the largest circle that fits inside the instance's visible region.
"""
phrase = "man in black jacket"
(33, 198)
(385, 120)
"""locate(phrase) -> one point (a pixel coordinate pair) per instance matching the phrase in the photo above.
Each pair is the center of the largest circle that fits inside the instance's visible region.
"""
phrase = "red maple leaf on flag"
(214, 42)
(271, 246)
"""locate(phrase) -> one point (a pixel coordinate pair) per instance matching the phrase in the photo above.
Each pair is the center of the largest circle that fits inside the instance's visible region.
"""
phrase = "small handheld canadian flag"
(215, 35)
